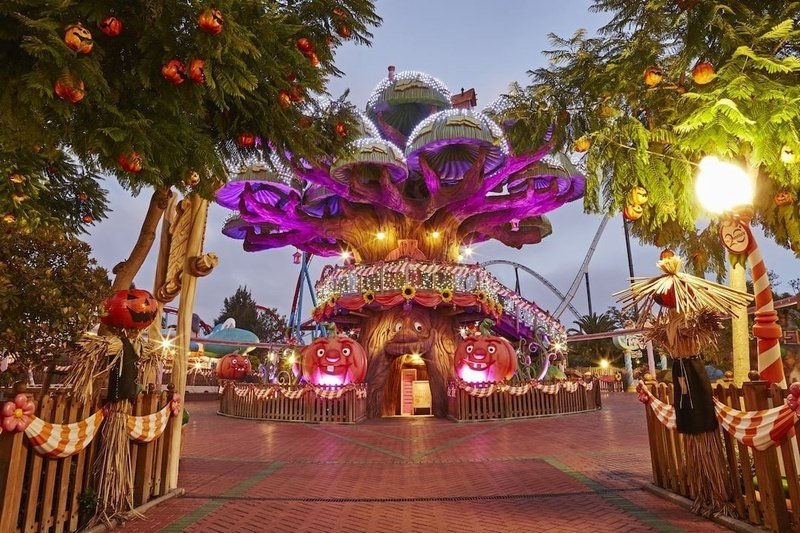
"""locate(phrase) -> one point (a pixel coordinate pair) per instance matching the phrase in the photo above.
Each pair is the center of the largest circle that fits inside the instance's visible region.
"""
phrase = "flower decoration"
(447, 295)
(409, 292)
(499, 308)
(18, 413)
(369, 297)
(793, 398)
(176, 405)
(644, 394)
(332, 300)
(481, 296)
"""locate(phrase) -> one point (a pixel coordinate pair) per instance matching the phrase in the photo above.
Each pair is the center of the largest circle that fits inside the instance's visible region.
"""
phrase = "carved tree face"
(411, 333)
(334, 361)
(485, 358)
(130, 309)
(233, 366)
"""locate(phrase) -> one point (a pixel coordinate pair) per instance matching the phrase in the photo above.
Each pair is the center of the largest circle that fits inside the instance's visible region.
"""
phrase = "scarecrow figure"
(688, 323)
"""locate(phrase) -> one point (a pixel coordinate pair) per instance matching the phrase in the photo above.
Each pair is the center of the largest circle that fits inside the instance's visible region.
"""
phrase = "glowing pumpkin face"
(69, 88)
(485, 358)
(783, 198)
(211, 21)
(653, 76)
(111, 26)
(233, 366)
(638, 196)
(632, 212)
(334, 361)
(79, 39)
(130, 309)
(703, 73)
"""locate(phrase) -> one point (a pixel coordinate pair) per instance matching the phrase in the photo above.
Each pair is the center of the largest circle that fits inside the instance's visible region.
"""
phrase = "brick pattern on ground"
(562, 474)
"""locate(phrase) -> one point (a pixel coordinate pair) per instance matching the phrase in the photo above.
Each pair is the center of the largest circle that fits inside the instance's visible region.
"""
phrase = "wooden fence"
(462, 406)
(766, 487)
(266, 402)
(41, 494)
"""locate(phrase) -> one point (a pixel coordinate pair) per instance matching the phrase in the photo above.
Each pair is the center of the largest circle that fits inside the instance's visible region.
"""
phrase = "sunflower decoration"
(481, 296)
(332, 300)
(499, 309)
(369, 297)
(409, 292)
(446, 295)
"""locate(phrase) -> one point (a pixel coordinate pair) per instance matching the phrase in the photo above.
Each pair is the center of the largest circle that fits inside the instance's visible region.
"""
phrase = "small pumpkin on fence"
(335, 360)
(234, 366)
(485, 357)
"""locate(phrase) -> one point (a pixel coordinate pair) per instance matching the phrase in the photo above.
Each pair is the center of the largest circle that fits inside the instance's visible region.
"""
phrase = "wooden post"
(12, 470)
(180, 364)
(768, 472)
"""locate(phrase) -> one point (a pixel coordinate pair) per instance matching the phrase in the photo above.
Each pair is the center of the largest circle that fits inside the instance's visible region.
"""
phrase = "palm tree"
(589, 353)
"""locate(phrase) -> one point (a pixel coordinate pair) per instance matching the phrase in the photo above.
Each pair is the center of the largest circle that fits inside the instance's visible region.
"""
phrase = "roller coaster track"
(536, 275)
(566, 300)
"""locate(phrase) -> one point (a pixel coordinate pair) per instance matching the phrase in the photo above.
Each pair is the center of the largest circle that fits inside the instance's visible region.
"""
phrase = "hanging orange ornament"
(653, 76)
(16, 178)
(9, 218)
(341, 129)
(211, 21)
(131, 162)
(582, 144)
(783, 198)
(632, 212)
(246, 139)
(192, 179)
(69, 88)
(87, 219)
(305, 46)
(197, 71)
(79, 39)
(703, 73)
(284, 100)
(173, 72)
(111, 26)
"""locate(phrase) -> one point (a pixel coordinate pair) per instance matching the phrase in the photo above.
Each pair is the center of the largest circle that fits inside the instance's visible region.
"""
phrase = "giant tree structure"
(421, 179)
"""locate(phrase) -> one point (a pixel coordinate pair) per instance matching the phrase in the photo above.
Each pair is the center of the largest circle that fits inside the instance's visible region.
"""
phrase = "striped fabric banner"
(663, 411)
(57, 441)
(150, 427)
(486, 390)
(757, 429)
(549, 389)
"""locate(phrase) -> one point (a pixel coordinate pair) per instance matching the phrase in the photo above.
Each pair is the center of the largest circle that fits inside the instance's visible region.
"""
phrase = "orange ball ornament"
(284, 100)
(131, 162)
(69, 89)
(305, 46)
(653, 76)
(9, 218)
(79, 39)
(632, 212)
(87, 219)
(211, 21)
(111, 26)
(582, 144)
(703, 73)
(174, 72)
(341, 129)
(248, 140)
(197, 71)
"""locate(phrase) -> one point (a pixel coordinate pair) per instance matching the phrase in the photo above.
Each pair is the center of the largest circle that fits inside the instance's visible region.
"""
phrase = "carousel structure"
(426, 177)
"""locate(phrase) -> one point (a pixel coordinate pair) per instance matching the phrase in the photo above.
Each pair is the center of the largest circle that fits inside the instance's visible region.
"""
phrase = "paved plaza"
(579, 472)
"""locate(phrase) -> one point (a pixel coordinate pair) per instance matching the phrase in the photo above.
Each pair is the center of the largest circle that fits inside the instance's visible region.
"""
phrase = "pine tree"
(163, 104)
(265, 323)
(633, 100)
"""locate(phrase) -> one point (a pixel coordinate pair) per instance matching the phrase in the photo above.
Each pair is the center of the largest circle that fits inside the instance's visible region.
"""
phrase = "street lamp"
(725, 189)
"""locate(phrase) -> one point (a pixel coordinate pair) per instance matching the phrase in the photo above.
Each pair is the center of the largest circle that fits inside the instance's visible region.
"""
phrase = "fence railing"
(42, 494)
(766, 488)
(464, 405)
(293, 403)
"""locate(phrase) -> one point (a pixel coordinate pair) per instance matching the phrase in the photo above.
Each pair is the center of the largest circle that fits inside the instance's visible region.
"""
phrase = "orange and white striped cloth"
(149, 427)
(478, 392)
(570, 386)
(517, 390)
(62, 440)
(549, 389)
(757, 429)
(665, 413)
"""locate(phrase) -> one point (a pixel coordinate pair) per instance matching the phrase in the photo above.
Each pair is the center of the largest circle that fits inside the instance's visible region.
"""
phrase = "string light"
(425, 127)
(429, 81)
(380, 235)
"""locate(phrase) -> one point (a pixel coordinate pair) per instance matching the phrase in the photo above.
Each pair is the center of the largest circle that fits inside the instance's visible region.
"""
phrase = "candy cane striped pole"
(766, 328)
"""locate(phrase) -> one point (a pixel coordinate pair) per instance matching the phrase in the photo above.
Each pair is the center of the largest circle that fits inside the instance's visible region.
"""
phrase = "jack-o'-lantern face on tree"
(233, 366)
(334, 361)
(485, 358)
(130, 309)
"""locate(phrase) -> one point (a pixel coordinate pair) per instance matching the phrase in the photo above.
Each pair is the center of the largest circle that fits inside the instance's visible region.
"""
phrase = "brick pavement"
(579, 472)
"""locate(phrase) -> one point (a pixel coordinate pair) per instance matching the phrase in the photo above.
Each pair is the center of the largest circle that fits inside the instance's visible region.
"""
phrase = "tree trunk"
(389, 336)
(125, 271)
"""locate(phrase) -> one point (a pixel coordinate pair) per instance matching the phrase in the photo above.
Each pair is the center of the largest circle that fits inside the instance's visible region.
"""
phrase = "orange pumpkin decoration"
(69, 89)
(313, 59)
(638, 196)
(192, 179)
(16, 178)
(174, 72)
(632, 212)
(211, 21)
(787, 155)
(284, 100)
(783, 198)
(197, 71)
(666, 254)
(9, 218)
(344, 31)
(129, 309)
(703, 73)
(485, 358)
(87, 219)
(305, 46)
(131, 162)
(653, 76)
(246, 139)
(296, 94)
(79, 39)
(582, 144)
(111, 26)
(334, 361)
(233, 366)
(341, 129)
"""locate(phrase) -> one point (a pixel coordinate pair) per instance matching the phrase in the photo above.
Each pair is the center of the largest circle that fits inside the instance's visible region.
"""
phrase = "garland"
(326, 393)
(57, 441)
(760, 429)
(486, 390)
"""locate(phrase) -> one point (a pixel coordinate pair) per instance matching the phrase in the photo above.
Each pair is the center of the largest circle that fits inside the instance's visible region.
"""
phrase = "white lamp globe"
(721, 185)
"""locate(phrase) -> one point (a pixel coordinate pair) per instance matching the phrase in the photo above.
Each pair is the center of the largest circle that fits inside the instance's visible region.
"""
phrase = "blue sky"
(478, 44)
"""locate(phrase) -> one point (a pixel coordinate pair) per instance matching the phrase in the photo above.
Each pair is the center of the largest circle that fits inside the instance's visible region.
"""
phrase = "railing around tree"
(494, 401)
(766, 487)
(294, 403)
(42, 494)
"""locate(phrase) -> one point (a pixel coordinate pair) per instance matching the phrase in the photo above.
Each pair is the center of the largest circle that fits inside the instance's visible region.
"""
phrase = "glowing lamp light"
(380, 235)
(436, 234)
(603, 363)
(721, 185)
(345, 256)
(166, 344)
(467, 251)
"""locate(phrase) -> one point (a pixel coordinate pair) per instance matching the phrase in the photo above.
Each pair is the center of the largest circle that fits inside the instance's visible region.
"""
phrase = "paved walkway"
(579, 472)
